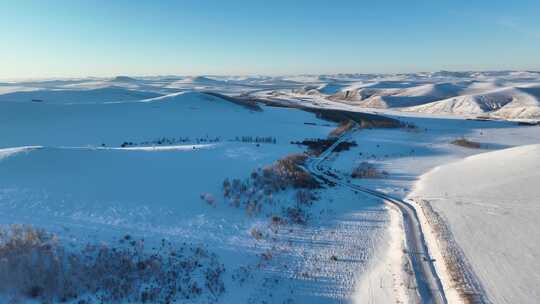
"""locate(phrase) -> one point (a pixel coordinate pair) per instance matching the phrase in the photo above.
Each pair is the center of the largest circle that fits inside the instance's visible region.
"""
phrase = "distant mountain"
(123, 79)
(508, 103)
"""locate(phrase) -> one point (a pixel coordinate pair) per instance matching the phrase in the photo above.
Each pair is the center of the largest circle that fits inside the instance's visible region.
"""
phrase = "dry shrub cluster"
(367, 170)
(258, 189)
(342, 128)
(305, 197)
(34, 264)
(463, 142)
(296, 214)
(317, 146)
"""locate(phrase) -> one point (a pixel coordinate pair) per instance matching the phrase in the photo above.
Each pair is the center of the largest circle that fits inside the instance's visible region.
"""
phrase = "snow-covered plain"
(92, 160)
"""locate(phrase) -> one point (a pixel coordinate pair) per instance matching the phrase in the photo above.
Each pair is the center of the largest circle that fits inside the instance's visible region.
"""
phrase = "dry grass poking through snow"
(463, 142)
(465, 282)
(35, 265)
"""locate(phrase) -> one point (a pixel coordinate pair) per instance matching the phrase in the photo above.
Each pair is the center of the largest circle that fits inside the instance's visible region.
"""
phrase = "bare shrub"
(267, 255)
(367, 170)
(253, 207)
(289, 172)
(243, 274)
(209, 199)
(463, 142)
(277, 220)
(304, 197)
(226, 187)
(259, 188)
(34, 264)
(296, 215)
(256, 234)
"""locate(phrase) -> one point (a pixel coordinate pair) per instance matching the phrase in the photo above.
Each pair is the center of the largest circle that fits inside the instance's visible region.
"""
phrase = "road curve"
(428, 283)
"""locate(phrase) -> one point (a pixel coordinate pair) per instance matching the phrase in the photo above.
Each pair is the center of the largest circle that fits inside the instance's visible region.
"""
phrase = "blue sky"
(105, 38)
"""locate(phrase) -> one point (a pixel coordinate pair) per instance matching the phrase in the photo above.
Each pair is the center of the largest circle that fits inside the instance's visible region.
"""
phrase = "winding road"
(428, 283)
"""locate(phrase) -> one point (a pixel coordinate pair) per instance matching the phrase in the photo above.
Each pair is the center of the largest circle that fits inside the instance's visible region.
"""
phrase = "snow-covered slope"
(509, 102)
(490, 202)
(92, 171)
(390, 94)
(100, 95)
(191, 114)
(525, 105)
(446, 93)
(81, 184)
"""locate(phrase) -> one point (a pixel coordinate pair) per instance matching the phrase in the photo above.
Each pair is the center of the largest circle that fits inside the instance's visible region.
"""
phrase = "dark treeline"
(170, 141)
(256, 139)
(165, 141)
(317, 145)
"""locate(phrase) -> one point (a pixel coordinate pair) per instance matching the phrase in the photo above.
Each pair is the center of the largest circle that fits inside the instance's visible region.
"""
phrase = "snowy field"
(490, 202)
(107, 162)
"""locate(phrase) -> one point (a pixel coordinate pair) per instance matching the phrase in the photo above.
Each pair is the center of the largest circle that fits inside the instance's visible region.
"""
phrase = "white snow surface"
(490, 202)
(66, 167)
(94, 159)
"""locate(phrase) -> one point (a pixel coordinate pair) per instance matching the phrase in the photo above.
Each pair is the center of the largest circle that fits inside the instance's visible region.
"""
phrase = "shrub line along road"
(428, 283)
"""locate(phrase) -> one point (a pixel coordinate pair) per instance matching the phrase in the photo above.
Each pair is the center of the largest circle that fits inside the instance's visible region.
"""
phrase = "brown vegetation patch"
(317, 146)
(367, 170)
(34, 264)
(463, 142)
(342, 128)
(258, 189)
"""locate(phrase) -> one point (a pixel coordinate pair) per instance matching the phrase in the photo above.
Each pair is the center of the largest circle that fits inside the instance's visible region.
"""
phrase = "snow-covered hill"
(153, 170)
(447, 93)
(410, 96)
(509, 103)
(99, 95)
(191, 114)
(490, 201)
(151, 159)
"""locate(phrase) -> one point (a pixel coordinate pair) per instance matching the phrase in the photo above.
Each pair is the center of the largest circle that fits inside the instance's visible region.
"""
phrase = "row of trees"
(256, 139)
(182, 140)
(166, 141)
(367, 170)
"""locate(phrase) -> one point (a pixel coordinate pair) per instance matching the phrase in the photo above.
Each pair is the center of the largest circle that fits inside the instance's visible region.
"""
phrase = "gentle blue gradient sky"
(104, 38)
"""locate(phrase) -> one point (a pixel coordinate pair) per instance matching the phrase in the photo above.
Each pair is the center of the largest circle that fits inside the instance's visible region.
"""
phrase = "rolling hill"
(509, 103)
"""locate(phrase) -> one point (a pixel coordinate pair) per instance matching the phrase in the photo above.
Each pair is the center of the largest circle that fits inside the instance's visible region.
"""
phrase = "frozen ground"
(93, 160)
